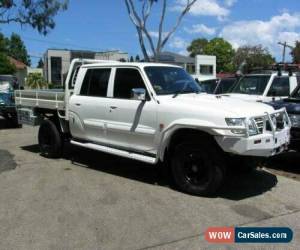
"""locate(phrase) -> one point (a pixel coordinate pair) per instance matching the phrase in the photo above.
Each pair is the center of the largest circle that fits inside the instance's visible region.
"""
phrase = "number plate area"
(28, 117)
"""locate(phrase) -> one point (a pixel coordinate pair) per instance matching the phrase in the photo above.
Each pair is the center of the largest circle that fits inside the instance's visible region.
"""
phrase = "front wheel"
(50, 141)
(198, 168)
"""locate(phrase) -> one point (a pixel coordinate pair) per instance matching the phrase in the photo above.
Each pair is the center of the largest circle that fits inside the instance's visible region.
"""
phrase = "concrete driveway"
(89, 200)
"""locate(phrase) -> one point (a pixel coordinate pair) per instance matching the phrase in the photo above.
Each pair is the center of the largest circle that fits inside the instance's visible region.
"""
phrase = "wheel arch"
(178, 133)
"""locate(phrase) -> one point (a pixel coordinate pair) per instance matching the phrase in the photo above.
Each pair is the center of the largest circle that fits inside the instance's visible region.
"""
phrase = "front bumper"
(268, 143)
(7, 109)
(264, 145)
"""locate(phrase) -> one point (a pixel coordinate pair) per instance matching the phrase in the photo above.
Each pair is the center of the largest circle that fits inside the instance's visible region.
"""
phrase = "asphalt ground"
(90, 200)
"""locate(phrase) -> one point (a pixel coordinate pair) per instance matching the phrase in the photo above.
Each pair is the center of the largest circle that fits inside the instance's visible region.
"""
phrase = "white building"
(57, 61)
(202, 67)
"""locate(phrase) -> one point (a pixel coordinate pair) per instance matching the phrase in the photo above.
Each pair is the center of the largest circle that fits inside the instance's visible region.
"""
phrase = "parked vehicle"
(8, 84)
(154, 113)
(218, 86)
(292, 105)
(264, 87)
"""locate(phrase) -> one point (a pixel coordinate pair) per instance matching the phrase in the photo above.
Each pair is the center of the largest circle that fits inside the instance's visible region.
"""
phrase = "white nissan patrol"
(154, 113)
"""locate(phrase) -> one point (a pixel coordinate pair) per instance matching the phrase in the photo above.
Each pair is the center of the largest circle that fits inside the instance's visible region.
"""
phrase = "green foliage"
(137, 58)
(197, 47)
(224, 53)
(131, 59)
(254, 56)
(17, 49)
(40, 64)
(38, 14)
(296, 53)
(4, 43)
(6, 68)
(36, 81)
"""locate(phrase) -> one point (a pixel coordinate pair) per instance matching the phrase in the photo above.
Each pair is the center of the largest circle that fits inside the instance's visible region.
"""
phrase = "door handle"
(78, 104)
(113, 107)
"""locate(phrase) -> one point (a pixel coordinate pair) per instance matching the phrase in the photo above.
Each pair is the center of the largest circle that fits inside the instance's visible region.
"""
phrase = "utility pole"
(285, 45)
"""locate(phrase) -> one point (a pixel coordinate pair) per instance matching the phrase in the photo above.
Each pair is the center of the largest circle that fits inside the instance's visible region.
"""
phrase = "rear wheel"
(198, 168)
(50, 141)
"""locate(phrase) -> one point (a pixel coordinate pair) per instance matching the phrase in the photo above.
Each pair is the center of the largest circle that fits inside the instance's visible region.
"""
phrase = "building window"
(190, 68)
(206, 69)
(56, 69)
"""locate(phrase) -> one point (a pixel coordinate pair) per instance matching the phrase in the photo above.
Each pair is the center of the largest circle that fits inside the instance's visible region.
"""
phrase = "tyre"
(198, 167)
(50, 141)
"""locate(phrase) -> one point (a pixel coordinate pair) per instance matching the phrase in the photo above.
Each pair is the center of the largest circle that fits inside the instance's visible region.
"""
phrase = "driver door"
(131, 123)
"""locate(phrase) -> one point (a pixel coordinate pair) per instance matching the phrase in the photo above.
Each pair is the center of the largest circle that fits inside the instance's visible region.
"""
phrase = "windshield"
(171, 80)
(209, 86)
(251, 85)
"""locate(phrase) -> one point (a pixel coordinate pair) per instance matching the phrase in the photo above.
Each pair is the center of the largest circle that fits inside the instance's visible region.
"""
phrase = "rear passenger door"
(88, 107)
(131, 123)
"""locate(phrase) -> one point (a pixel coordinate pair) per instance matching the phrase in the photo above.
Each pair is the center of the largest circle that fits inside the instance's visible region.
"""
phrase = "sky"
(105, 25)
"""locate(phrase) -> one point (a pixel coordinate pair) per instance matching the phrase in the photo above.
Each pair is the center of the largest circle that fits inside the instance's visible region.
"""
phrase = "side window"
(280, 87)
(95, 82)
(125, 81)
(86, 82)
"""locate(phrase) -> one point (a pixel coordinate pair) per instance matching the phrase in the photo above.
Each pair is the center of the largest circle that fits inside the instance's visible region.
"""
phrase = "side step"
(113, 151)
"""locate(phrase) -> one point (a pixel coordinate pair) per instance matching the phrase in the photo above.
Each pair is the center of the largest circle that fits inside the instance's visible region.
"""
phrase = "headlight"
(236, 122)
(295, 120)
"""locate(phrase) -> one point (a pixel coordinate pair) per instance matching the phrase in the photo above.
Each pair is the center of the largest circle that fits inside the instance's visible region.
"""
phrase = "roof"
(128, 64)
(18, 64)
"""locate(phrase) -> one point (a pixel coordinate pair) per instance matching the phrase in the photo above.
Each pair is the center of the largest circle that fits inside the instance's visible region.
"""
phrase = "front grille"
(259, 121)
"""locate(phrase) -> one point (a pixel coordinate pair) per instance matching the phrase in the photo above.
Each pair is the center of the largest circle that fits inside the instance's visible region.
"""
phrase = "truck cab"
(8, 84)
(264, 87)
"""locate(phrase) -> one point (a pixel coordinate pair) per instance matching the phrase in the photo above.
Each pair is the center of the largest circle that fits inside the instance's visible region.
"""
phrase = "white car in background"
(265, 87)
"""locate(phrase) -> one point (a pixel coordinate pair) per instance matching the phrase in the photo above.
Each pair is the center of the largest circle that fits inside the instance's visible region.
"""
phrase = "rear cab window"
(95, 82)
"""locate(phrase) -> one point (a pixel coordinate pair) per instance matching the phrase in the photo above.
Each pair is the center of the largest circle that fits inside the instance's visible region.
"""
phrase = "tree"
(197, 47)
(36, 81)
(38, 14)
(137, 58)
(6, 68)
(4, 43)
(296, 53)
(254, 56)
(131, 59)
(40, 64)
(140, 23)
(18, 50)
(224, 53)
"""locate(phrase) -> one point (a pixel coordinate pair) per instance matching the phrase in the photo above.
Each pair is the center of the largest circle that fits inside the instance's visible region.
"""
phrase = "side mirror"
(138, 94)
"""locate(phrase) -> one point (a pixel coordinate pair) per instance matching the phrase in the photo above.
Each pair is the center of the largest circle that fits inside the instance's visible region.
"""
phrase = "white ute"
(154, 113)
(264, 87)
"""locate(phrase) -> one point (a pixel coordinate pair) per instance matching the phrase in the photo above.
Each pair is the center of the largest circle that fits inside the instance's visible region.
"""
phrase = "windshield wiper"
(185, 92)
